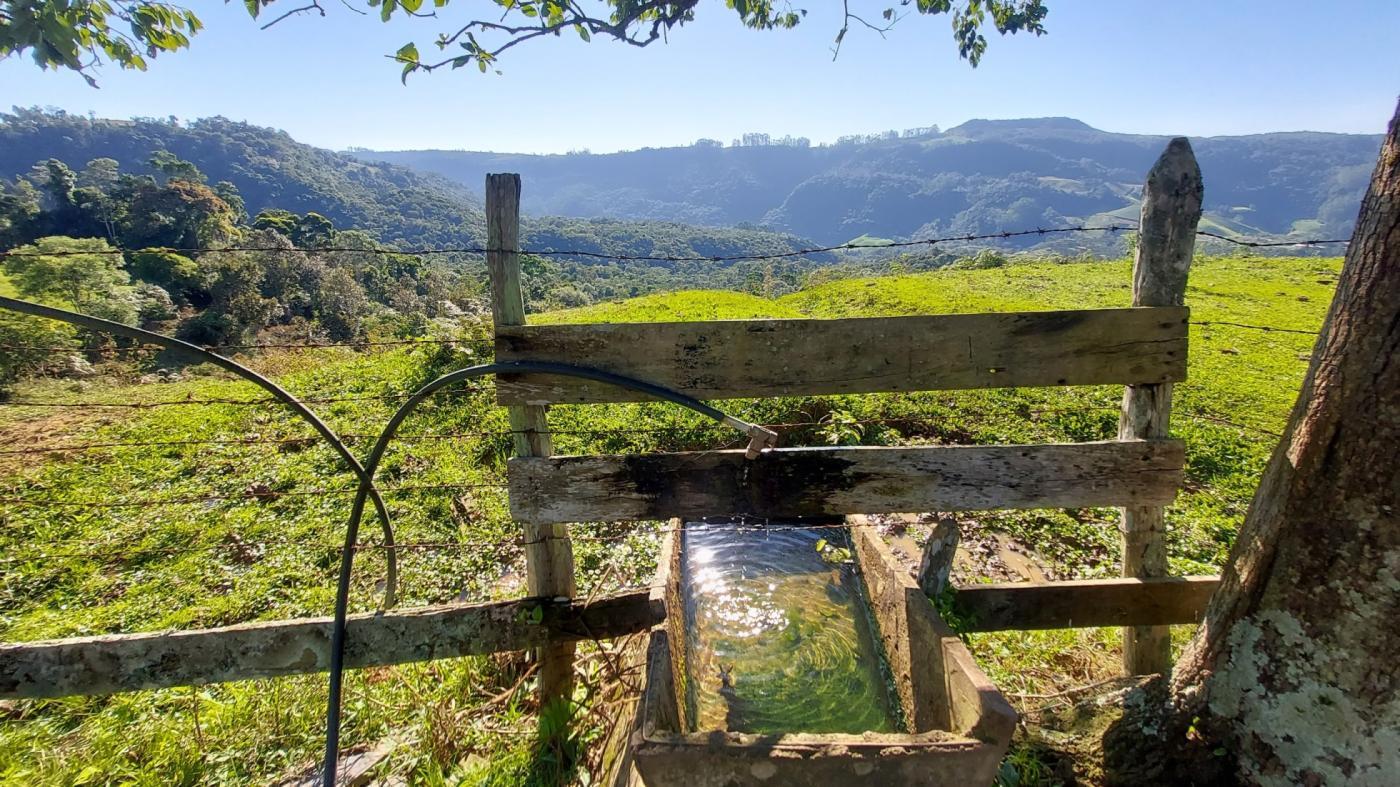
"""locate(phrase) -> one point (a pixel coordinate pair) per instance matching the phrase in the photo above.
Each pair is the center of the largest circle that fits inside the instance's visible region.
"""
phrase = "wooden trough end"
(960, 725)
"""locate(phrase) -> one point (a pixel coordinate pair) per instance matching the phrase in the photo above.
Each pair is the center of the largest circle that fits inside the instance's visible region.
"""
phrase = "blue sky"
(1198, 67)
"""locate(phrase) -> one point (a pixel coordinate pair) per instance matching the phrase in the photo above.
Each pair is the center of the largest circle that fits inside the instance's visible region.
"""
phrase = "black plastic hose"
(759, 438)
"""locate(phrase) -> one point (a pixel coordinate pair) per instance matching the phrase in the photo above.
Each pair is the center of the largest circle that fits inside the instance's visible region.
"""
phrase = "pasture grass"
(257, 549)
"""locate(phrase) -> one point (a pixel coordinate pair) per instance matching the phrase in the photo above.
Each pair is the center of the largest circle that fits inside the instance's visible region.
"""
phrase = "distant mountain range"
(759, 197)
(982, 176)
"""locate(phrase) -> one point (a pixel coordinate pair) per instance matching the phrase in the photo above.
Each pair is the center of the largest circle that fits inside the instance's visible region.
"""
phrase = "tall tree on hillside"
(180, 214)
(172, 167)
(77, 34)
(78, 273)
(20, 209)
(94, 196)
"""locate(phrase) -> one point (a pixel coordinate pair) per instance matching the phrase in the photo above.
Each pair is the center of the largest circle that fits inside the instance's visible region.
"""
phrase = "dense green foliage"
(263, 546)
(258, 170)
(982, 176)
(77, 34)
(268, 168)
(168, 252)
(643, 23)
(183, 268)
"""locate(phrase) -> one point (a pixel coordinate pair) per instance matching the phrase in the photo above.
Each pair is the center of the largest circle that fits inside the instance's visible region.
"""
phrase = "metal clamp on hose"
(761, 438)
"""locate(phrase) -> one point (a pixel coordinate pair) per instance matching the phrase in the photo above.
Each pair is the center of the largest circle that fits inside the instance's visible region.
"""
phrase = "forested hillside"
(170, 252)
(269, 168)
(982, 176)
(394, 204)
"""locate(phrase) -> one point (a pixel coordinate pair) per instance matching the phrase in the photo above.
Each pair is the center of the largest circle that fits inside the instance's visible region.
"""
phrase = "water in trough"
(779, 635)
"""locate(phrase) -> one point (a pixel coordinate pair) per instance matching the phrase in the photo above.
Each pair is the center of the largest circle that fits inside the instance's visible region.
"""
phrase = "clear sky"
(1198, 67)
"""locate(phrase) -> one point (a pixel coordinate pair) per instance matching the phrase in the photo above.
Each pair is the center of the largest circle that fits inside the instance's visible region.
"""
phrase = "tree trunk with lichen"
(1296, 670)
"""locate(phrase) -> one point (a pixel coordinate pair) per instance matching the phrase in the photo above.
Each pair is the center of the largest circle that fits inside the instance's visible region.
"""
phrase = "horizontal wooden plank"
(755, 358)
(127, 662)
(1085, 603)
(789, 482)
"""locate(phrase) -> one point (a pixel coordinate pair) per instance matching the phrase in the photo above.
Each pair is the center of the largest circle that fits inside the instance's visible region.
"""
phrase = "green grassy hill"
(253, 533)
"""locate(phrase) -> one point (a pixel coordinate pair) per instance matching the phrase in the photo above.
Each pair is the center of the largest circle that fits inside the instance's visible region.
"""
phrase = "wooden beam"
(1085, 603)
(1171, 209)
(128, 662)
(790, 482)
(756, 358)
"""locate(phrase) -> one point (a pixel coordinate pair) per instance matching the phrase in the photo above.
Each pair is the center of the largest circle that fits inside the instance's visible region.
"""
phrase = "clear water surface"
(779, 636)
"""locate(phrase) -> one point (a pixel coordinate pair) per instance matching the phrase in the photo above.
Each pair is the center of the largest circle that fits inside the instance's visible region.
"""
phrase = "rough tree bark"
(1296, 670)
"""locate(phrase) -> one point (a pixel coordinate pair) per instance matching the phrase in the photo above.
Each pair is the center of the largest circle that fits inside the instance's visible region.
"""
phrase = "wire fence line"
(738, 524)
(484, 345)
(388, 397)
(1275, 243)
(257, 490)
(590, 254)
(1264, 328)
(674, 430)
(260, 494)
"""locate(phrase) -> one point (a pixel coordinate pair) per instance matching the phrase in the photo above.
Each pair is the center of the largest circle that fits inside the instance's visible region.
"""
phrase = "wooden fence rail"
(789, 482)
(128, 662)
(1085, 603)
(729, 359)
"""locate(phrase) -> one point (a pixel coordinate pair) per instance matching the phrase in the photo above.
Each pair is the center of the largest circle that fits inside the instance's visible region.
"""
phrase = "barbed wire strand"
(220, 401)
(473, 344)
(552, 252)
(482, 345)
(268, 495)
(1275, 243)
(1265, 328)
(259, 495)
(590, 254)
(674, 430)
(630, 532)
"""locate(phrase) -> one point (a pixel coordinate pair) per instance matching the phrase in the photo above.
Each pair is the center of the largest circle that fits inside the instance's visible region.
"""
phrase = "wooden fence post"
(1171, 209)
(549, 555)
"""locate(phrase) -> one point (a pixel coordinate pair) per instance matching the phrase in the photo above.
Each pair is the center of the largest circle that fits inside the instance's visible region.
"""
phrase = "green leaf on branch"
(408, 55)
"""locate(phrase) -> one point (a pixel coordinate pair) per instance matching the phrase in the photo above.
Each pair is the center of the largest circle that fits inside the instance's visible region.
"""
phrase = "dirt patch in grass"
(20, 438)
(983, 553)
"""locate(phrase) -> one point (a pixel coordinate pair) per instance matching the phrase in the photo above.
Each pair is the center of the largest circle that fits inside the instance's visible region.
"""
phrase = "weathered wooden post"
(936, 563)
(549, 555)
(1171, 209)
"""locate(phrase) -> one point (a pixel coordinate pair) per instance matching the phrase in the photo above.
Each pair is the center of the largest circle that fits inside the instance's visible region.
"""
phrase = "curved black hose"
(757, 434)
(391, 579)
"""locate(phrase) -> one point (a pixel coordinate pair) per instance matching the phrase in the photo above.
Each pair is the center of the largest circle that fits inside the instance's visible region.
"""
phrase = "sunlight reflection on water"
(779, 638)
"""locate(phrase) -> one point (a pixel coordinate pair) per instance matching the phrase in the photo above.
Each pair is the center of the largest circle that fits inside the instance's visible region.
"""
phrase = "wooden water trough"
(959, 725)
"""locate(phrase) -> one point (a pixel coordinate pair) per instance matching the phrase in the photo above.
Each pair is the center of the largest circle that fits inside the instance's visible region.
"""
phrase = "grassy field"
(194, 534)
